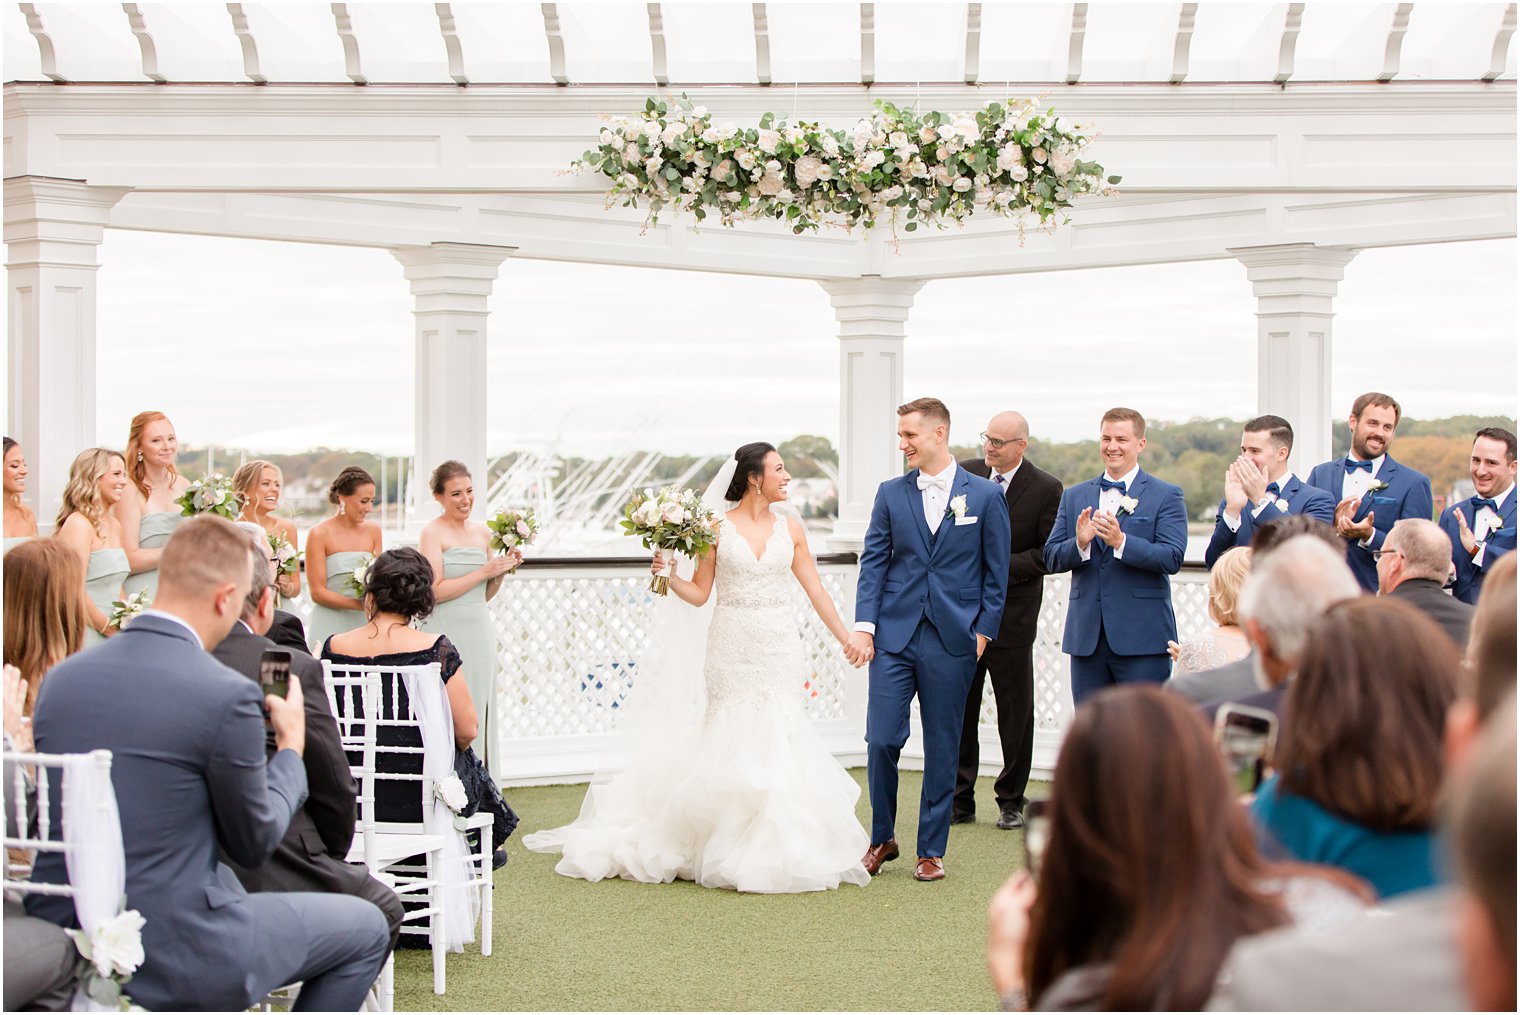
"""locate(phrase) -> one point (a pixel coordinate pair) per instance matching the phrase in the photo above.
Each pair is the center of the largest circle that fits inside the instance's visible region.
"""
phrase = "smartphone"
(1246, 737)
(274, 672)
(1036, 835)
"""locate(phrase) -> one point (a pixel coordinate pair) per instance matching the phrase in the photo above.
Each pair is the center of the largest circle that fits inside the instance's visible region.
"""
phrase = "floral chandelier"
(1009, 159)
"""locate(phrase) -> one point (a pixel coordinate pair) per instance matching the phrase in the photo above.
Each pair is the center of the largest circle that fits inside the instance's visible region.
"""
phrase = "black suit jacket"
(312, 855)
(1033, 498)
(287, 631)
(1425, 595)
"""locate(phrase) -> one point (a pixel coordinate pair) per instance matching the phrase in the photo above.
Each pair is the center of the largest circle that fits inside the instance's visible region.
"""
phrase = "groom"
(933, 577)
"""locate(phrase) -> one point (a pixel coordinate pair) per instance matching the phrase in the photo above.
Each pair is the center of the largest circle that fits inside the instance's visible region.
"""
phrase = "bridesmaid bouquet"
(674, 520)
(360, 575)
(285, 557)
(212, 495)
(511, 529)
(124, 611)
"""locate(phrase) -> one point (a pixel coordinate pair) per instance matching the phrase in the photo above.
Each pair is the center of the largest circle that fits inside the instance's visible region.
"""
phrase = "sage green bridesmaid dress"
(466, 620)
(326, 621)
(152, 533)
(103, 584)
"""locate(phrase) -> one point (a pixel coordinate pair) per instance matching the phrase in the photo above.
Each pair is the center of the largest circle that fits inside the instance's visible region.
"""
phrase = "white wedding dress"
(747, 797)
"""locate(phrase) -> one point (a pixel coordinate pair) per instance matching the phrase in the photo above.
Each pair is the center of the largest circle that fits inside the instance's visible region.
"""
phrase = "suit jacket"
(312, 855)
(1499, 542)
(1033, 497)
(958, 577)
(287, 631)
(1129, 599)
(1301, 498)
(1407, 496)
(1229, 682)
(1453, 615)
(187, 739)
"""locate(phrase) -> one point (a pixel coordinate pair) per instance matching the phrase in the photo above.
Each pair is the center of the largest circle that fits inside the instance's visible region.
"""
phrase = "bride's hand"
(658, 564)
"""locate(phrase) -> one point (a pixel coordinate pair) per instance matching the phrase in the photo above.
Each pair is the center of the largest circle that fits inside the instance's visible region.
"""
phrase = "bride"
(728, 784)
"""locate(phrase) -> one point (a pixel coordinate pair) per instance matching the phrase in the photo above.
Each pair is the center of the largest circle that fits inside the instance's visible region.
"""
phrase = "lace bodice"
(743, 580)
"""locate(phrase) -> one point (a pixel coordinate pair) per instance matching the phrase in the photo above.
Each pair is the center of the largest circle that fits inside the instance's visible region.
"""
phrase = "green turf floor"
(565, 944)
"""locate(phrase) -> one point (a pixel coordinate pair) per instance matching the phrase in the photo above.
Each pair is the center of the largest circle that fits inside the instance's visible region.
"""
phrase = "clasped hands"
(1348, 529)
(1103, 525)
(860, 647)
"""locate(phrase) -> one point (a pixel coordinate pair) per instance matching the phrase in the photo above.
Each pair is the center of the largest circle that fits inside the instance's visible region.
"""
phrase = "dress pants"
(1012, 673)
(924, 668)
(334, 945)
(1104, 668)
(39, 963)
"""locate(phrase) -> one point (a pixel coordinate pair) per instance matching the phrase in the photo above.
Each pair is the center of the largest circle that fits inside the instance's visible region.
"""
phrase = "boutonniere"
(1127, 506)
(1378, 486)
(957, 507)
(1283, 505)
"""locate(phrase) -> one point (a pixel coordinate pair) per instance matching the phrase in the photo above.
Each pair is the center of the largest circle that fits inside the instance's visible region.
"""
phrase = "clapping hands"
(1345, 511)
(1469, 541)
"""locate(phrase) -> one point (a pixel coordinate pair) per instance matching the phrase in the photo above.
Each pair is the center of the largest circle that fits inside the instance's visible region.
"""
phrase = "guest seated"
(1358, 761)
(1145, 880)
(1402, 956)
(313, 855)
(191, 776)
(1227, 642)
(1290, 586)
(20, 522)
(1413, 565)
(44, 614)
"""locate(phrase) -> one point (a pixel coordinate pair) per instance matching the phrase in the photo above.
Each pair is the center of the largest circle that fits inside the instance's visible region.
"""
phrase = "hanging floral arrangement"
(1009, 158)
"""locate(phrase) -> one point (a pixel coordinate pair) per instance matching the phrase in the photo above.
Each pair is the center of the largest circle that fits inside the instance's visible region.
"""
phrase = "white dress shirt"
(171, 617)
(937, 498)
(1005, 479)
(1485, 522)
(1108, 501)
(1359, 480)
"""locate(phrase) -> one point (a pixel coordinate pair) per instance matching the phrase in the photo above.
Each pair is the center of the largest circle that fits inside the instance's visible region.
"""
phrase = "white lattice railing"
(571, 634)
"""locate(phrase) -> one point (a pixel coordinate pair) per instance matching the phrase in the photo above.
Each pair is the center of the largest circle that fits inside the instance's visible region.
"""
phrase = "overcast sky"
(281, 347)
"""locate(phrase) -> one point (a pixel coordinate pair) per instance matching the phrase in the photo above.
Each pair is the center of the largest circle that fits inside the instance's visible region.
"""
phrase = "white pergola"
(1285, 136)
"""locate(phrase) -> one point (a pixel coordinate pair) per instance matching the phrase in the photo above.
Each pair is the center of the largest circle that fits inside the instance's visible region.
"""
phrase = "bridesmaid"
(87, 524)
(333, 549)
(465, 575)
(20, 522)
(148, 514)
(260, 483)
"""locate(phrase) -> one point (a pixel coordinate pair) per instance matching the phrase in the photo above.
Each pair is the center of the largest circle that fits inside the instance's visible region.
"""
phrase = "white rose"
(1003, 198)
(722, 169)
(829, 145)
(785, 196)
(768, 140)
(898, 139)
(1039, 155)
(698, 112)
(918, 168)
(825, 172)
(652, 165)
(927, 135)
(1062, 163)
(942, 153)
(731, 196)
(711, 135)
(1062, 125)
(962, 184)
(607, 137)
(942, 176)
(773, 166)
(1018, 174)
(771, 184)
(745, 158)
(628, 180)
(652, 129)
(673, 133)
(116, 946)
(795, 135)
(1009, 157)
(675, 514)
(727, 132)
(451, 791)
(891, 194)
(968, 130)
(806, 170)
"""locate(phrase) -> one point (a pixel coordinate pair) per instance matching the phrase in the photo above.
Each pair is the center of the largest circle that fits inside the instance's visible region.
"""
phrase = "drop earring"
(340, 507)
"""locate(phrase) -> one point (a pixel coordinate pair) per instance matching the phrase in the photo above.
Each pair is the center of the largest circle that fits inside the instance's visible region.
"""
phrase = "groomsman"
(1258, 488)
(1033, 497)
(1482, 528)
(1120, 536)
(1373, 491)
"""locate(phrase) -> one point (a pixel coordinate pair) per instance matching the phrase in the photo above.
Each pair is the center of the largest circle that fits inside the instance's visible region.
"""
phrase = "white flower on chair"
(451, 791)
(110, 956)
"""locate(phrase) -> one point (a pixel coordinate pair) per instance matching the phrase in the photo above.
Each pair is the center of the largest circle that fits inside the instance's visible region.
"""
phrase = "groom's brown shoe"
(878, 854)
(930, 868)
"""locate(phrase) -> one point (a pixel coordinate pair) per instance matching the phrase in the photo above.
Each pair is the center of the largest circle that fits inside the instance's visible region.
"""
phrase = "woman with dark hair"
(335, 547)
(399, 591)
(1149, 873)
(730, 786)
(1359, 758)
(20, 522)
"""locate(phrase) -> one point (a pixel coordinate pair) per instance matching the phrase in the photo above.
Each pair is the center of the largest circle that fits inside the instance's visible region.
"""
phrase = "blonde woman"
(149, 514)
(87, 524)
(44, 614)
(260, 484)
(334, 548)
(1227, 642)
(20, 522)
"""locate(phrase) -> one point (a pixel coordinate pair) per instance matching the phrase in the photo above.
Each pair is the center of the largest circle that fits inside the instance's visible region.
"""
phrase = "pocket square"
(967, 520)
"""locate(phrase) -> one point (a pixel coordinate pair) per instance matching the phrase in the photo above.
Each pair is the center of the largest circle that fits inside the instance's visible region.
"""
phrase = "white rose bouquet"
(124, 611)
(674, 520)
(360, 576)
(283, 554)
(212, 495)
(512, 529)
(109, 957)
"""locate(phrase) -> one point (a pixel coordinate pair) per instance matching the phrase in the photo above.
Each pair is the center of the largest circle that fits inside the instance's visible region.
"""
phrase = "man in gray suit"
(1413, 565)
(187, 739)
(313, 856)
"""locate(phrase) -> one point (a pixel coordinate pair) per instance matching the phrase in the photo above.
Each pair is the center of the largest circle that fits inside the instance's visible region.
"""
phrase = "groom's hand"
(859, 648)
(981, 644)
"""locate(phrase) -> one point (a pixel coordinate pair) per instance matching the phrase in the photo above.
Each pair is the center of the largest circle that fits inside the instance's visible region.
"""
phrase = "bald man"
(1032, 497)
(1413, 565)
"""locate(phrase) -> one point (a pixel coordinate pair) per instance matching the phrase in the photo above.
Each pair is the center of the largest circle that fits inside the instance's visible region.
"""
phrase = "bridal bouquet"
(285, 557)
(512, 529)
(124, 611)
(360, 576)
(212, 495)
(673, 520)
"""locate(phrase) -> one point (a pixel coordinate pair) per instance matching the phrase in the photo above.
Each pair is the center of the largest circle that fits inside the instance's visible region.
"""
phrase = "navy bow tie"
(1479, 503)
(1273, 488)
(1353, 466)
(1114, 484)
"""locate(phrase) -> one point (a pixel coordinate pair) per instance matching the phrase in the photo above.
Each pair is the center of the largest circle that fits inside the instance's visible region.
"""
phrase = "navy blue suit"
(1498, 542)
(1407, 496)
(1119, 617)
(929, 597)
(1302, 499)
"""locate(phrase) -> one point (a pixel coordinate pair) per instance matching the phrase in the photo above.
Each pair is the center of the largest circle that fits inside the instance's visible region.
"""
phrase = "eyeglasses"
(1378, 555)
(997, 445)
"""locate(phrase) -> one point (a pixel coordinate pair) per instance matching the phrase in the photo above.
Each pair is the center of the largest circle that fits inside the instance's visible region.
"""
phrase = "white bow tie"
(933, 482)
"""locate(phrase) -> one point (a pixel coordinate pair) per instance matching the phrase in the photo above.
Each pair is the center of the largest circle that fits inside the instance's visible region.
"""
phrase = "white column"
(450, 283)
(1295, 286)
(873, 316)
(53, 230)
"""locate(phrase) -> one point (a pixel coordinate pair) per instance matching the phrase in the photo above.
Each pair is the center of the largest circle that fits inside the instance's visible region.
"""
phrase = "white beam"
(762, 44)
(1287, 46)
(44, 42)
(452, 45)
(1393, 49)
(867, 44)
(1074, 43)
(1500, 55)
(145, 44)
(246, 41)
(556, 39)
(657, 45)
(973, 43)
(345, 27)
(1183, 43)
